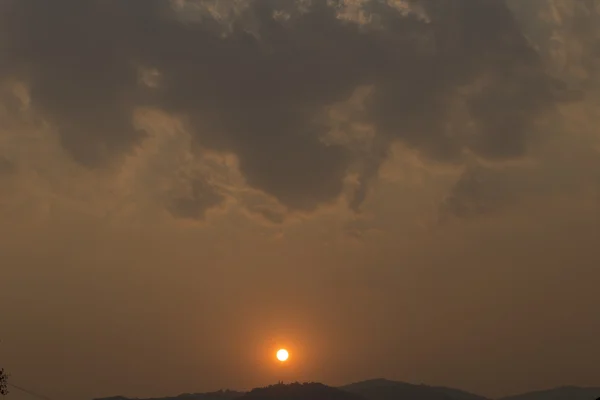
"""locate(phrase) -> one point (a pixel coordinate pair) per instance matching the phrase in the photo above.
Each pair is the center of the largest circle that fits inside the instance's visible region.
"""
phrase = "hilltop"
(560, 393)
(300, 391)
(383, 389)
(374, 389)
(218, 395)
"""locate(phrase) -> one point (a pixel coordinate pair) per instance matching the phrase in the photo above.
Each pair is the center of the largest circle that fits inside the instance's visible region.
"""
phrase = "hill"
(300, 391)
(457, 393)
(218, 395)
(383, 389)
(561, 393)
(374, 389)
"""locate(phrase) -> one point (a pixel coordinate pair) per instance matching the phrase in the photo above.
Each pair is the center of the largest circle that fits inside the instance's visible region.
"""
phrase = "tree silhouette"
(3, 382)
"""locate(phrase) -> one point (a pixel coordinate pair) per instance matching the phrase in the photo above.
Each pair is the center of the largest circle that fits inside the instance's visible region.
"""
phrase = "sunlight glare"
(282, 355)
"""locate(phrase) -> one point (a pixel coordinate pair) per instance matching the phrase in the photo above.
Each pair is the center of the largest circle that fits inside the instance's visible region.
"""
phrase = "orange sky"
(385, 189)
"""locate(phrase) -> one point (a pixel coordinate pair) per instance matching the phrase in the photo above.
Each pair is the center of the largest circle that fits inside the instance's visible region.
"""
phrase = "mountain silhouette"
(383, 389)
(373, 389)
(218, 395)
(560, 393)
(300, 391)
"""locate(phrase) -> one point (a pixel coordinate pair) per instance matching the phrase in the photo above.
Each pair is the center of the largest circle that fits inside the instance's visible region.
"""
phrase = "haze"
(387, 188)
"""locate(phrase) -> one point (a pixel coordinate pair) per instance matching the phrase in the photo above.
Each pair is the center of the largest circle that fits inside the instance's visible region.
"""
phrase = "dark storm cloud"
(261, 92)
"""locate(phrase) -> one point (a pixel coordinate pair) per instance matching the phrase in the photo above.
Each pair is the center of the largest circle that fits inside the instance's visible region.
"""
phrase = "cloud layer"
(256, 79)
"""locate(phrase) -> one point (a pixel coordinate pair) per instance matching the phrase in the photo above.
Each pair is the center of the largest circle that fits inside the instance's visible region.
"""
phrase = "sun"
(282, 355)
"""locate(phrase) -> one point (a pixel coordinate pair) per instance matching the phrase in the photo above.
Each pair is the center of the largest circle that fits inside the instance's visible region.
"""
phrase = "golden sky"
(387, 188)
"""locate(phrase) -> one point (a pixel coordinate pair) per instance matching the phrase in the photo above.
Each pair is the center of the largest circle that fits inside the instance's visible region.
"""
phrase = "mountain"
(219, 395)
(383, 389)
(300, 391)
(561, 393)
(374, 389)
(457, 393)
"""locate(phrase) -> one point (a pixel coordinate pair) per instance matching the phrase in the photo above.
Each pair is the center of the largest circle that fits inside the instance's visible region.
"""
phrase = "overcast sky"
(387, 188)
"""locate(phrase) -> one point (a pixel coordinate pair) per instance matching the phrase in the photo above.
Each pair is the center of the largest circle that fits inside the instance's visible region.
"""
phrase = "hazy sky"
(388, 188)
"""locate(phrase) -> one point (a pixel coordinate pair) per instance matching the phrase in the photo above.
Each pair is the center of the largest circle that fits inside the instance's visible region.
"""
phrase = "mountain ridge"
(568, 392)
(374, 389)
(362, 390)
(384, 389)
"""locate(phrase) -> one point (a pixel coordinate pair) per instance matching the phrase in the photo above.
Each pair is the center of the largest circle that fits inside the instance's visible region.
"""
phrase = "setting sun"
(282, 355)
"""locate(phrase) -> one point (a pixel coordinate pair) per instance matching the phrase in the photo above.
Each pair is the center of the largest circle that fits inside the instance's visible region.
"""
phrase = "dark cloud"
(477, 45)
(6, 166)
(260, 90)
(267, 214)
(11, 108)
(201, 198)
(567, 34)
(479, 191)
(270, 215)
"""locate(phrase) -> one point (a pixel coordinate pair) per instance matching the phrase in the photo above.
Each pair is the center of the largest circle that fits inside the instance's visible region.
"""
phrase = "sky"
(406, 189)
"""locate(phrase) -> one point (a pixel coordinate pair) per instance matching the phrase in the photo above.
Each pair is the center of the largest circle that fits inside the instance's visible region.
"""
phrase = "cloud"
(566, 34)
(6, 166)
(202, 197)
(445, 78)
